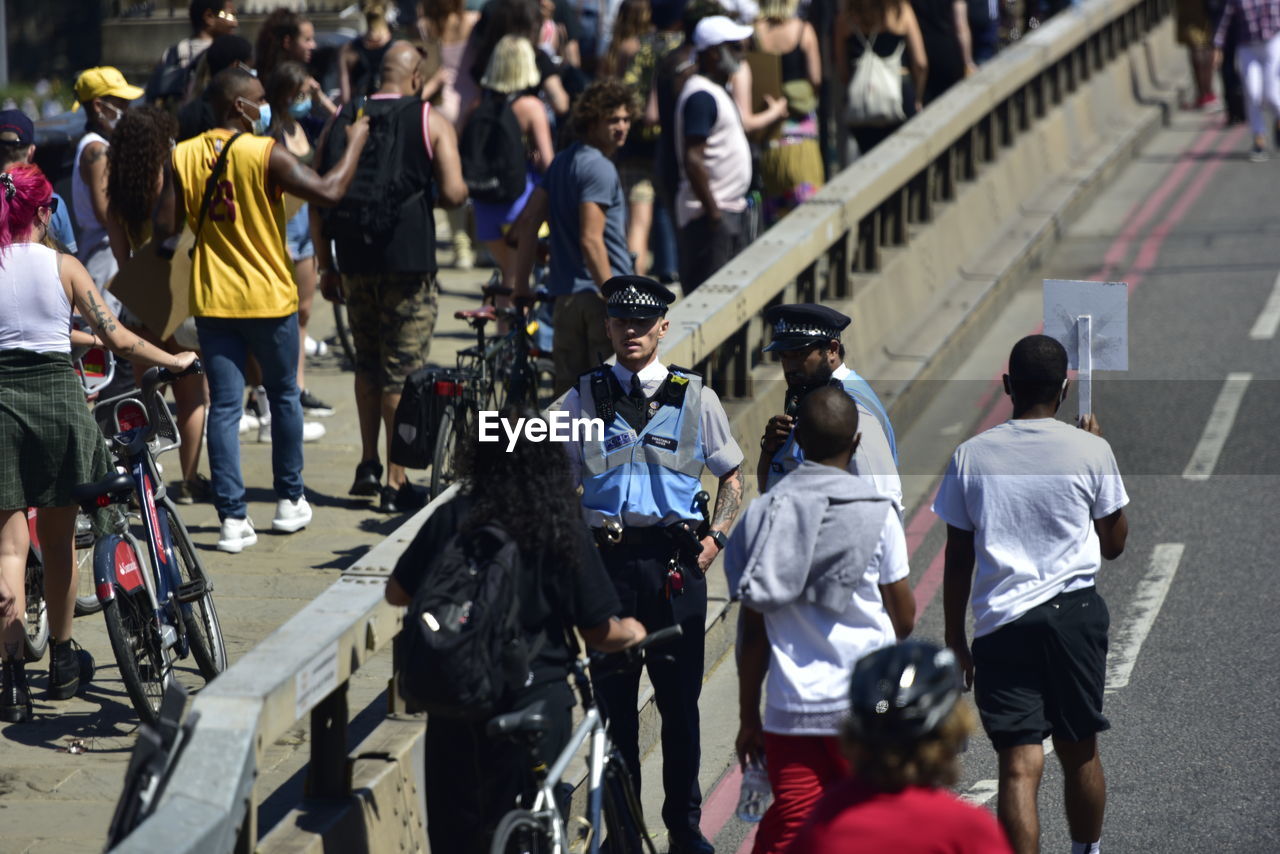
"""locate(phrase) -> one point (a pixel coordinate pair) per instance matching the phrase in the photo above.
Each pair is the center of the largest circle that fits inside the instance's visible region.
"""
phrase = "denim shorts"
(297, 236)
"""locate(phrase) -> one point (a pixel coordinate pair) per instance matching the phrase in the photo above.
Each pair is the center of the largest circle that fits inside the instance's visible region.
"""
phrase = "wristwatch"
(719, 539)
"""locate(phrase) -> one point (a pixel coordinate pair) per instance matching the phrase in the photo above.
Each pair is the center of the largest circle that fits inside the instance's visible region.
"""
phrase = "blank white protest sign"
(1099, 310)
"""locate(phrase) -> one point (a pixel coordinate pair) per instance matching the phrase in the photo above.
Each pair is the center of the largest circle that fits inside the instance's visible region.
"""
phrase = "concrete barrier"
(917, 241)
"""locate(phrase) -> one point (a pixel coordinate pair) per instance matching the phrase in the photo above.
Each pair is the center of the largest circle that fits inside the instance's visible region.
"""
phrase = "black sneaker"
(198, 489)
(403, 500)
(70, 666)
(313, 406)
(368, 478)
(15, 698)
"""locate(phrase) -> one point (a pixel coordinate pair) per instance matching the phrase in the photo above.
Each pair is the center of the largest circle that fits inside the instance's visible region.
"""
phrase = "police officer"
(640, 488)
(807, 339)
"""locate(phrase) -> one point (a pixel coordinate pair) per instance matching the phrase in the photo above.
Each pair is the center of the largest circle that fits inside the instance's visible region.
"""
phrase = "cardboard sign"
(155, 288)
(1090, 320)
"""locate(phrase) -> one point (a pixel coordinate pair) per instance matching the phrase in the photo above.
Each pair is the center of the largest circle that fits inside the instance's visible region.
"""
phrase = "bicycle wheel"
(144, 664)
(519, 832)
(86, 589)
(204, 632)
(344, 332)
(35, 640)
(444, 461)
(623, 816)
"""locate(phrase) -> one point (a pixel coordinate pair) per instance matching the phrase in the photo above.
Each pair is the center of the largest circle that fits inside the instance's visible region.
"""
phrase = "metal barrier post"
(329, 772)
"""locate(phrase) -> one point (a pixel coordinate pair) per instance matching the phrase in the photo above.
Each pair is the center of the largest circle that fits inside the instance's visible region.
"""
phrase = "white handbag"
(874, 96)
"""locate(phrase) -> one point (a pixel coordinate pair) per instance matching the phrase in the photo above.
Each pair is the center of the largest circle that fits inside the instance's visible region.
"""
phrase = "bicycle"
(158, 606)
(496, 371)
(540, 828)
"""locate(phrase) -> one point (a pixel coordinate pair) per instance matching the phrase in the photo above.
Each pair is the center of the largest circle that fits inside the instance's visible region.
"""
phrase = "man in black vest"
(386, 248)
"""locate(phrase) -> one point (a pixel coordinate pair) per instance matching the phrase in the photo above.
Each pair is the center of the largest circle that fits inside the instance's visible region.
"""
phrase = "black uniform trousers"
(638, 568)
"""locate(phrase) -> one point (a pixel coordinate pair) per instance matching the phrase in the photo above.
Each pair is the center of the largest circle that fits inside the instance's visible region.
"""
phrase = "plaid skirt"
(49, 442)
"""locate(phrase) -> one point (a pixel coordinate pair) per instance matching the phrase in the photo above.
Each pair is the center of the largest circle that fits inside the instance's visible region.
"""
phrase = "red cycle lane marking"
(722, 801)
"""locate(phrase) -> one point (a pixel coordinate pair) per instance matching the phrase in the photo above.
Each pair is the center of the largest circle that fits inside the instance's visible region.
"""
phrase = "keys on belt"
(674, 584)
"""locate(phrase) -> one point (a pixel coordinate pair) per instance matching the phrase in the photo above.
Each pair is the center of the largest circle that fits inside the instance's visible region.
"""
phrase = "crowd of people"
(624, 140)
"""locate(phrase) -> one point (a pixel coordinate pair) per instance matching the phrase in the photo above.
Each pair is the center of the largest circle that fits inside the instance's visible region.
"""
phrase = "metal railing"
(818, 252)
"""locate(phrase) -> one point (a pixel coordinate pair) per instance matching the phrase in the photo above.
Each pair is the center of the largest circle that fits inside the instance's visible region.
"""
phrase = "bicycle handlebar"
(607, 663)
(155, 379)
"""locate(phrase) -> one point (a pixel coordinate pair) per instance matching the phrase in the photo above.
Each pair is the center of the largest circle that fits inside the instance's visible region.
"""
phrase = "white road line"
(1127, 642)
(1218, 428)
(1264, 328)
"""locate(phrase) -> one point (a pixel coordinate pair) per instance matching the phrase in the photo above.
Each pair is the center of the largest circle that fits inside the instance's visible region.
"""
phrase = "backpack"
(492, 147)
(422, 402)
(463, 652)
(379, 190)
(874, 96)
(172, 75)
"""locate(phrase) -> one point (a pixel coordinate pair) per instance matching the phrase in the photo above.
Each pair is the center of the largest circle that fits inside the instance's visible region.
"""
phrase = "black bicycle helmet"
(903, 692)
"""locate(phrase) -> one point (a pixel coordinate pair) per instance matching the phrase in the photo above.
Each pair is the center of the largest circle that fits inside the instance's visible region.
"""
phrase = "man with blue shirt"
(581, 196)
(640, 486)
(806, 337)
(18, 145)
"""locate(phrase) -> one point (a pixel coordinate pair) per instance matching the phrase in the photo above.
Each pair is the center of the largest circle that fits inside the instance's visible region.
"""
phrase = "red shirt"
(851, 818)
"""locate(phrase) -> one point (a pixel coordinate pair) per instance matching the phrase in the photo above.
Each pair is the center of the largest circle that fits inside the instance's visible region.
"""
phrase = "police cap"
(636, 296)
(803, 325)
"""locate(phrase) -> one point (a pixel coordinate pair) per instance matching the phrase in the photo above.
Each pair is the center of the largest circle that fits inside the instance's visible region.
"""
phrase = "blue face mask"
(301, 109)
(264, 119)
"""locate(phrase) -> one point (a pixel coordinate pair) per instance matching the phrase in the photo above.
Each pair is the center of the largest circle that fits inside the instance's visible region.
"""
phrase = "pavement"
(1190, 759)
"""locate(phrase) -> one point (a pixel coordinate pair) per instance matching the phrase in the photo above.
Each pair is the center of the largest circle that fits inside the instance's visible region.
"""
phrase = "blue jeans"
(225, 343)
(662, 242)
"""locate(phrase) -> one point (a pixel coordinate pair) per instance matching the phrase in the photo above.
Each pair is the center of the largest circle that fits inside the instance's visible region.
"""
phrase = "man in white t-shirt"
(1038, 504)
(820, 563)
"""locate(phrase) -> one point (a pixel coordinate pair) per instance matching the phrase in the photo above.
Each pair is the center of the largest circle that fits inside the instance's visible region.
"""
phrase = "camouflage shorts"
(392, 316)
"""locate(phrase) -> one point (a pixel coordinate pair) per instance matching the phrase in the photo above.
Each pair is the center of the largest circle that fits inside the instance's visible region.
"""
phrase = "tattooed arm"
(93, 170)
(84, 295)
(728, 503)
(285, 173)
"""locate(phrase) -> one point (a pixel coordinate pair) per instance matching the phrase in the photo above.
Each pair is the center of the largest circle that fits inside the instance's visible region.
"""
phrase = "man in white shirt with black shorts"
(1038, 504)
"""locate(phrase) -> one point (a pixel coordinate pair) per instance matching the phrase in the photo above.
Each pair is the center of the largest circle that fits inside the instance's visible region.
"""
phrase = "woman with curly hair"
(49, 443)
(470, 781)
(137, 159)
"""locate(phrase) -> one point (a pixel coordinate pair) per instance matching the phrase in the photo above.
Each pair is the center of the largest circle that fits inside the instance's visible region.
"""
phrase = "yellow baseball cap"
(104, 82)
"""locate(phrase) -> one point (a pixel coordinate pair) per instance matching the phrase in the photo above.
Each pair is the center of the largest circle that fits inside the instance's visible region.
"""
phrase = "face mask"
(728, 62)
(263, 121)
(110, 120)
(301, 109)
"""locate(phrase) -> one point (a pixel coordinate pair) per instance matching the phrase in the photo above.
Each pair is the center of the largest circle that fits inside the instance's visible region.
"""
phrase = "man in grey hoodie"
(820, 563)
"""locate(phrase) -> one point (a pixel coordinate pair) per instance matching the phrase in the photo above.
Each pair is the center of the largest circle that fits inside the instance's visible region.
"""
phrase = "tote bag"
(874, 96)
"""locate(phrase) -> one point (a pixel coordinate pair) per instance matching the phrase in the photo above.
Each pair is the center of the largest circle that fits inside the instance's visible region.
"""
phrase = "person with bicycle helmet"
(49, 443)
(905, 730)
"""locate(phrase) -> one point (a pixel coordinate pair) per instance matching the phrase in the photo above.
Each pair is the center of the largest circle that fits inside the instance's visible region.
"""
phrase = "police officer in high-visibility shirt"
(807, 339)
(640, 492)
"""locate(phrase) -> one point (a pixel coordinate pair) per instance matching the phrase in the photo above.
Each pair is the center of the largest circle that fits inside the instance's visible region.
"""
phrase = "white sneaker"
(238, 533)
(312, 347)
(291, 515)
(249, 421)
(312, 431)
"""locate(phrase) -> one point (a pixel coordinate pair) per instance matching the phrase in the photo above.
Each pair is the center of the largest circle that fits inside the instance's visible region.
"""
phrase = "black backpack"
(371, 208)
(492, 148)
(168, 82)
(463, 651)
(422, 402)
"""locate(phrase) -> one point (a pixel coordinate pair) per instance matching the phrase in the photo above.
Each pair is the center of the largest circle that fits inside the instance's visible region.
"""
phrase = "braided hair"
(139, 147)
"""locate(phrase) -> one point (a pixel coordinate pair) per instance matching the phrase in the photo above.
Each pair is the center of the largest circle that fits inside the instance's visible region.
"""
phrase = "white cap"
(718, 30)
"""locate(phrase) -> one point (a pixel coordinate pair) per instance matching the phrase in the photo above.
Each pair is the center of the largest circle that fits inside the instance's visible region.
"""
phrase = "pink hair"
(31, 191)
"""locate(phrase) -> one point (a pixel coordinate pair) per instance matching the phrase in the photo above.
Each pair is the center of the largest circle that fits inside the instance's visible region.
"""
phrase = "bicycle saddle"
(497, 291)
(87, 493)
(529, 721)
(484, 312)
